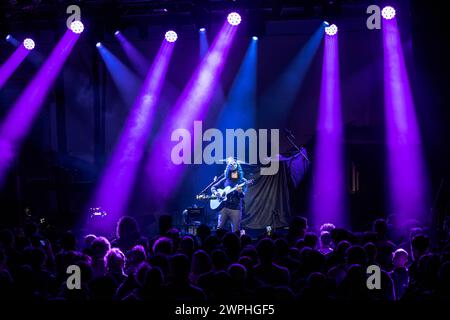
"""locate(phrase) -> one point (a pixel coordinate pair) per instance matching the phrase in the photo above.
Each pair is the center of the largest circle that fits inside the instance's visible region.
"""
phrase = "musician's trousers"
(233, 215)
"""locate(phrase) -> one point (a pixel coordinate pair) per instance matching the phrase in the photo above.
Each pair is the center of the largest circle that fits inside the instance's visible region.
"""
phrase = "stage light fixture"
(28, 44)
(234, 18)
(331, 30)
(98, 45)
(171, 36)
(8, 37)
(202, 29)
(77, 27)
(116, 33)
(388, 13)
(255, 38)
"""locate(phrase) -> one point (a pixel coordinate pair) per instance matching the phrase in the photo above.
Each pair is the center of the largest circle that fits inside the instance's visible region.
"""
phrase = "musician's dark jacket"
(235, 200)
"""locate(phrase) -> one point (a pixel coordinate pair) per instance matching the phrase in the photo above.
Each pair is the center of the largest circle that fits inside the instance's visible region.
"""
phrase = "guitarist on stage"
(233, 206)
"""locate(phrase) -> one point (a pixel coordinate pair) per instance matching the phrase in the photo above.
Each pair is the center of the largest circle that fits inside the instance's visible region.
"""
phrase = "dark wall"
(431, 51)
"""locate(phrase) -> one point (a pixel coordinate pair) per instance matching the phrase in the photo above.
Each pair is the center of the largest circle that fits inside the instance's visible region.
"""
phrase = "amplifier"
(194, 215)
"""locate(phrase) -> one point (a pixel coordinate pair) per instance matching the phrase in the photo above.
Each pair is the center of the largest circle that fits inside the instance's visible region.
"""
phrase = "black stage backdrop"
(268, 200)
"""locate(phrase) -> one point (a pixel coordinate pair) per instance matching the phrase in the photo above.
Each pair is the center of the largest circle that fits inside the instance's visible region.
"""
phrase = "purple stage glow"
(408, 185)
(10, 65)
(77, 27)
(118, 178)
(331, 30)
(328, 196)
(171, 36)
(28, 44)
(140, 64)
(19, 120)
(234, 18)
(388, 13)
(192, 105)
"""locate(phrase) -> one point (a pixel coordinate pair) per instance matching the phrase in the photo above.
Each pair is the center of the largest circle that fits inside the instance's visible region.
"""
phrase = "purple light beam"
(19, 120)
(190, 106)
(328, 202)
(118, 178)
(140, 64)
(13, 62)
(408, 185)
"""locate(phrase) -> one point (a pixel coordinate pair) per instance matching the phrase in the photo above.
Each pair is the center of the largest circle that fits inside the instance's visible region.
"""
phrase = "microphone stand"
(290, 137)
(211, 184)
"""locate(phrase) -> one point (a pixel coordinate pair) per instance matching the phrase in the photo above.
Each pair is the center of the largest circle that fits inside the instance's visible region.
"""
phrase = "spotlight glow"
(328, 198)
(8, 37)
(16, 125)
(388, 13)
(407, 171)
(255, 38)
(116, 33)
(331, 30)
(192, 104)
(284, 91)
(77, 27)
(326, 23)
(98, 45)
(118, 180)
(171, 36)
(234, 18)
(202, 29)
(7, 68)
(28, 44)
(139, 62)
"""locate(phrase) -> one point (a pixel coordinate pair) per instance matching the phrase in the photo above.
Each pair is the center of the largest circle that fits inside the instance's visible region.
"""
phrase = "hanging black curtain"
(268, 200)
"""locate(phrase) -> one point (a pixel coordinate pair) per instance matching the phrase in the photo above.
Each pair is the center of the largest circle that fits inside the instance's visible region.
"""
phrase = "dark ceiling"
(32, 14)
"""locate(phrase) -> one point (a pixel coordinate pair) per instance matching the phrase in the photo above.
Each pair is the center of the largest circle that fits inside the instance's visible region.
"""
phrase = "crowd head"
(324, 262)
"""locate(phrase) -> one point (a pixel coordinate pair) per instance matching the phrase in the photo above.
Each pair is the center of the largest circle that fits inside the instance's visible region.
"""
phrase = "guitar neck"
(238, 186)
